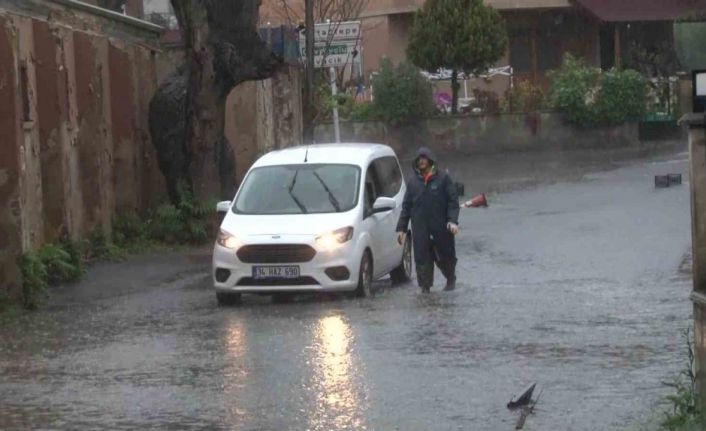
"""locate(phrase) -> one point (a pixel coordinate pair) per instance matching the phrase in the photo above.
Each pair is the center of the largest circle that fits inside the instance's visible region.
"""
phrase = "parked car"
(317, 218)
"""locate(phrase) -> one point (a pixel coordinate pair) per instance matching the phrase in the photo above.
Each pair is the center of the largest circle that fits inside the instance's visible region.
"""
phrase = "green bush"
(185, 223)
(684, 413)
(98, 246)
(623, 96)
(363, 112)
(34, 281)
(325, 102)
(586, 96)
(401, 94)
(51, 265)
(524, 97)
(60, 264)
(129, 228)
(132, 234)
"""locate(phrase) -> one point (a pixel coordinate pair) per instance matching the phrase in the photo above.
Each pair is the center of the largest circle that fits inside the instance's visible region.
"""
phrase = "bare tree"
(187, 114)
(291, 12)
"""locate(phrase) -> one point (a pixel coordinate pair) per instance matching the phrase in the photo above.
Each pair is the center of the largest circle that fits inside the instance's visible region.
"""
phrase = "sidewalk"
(136, 273)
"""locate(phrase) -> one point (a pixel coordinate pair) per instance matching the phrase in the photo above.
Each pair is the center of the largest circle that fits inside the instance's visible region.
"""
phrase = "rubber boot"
(425, 277)
(449, 271)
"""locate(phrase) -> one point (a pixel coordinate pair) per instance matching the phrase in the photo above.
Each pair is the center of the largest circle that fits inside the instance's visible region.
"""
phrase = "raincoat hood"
(426, 153)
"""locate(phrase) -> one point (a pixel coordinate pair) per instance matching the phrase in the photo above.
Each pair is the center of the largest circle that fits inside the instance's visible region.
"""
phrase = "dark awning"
(643, 10)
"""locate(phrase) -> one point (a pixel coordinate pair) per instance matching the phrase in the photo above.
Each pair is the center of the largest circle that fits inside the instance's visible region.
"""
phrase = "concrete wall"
(485, 134)
(74, 141)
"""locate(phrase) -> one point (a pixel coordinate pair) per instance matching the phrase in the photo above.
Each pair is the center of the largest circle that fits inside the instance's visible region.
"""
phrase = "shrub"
(129, 228)
(34, 281)
(401, 95)
(184, 223)
(684, 414)
(524, 97)
(51, 265)
(622, 97)
(588, 97)
(131, 233)
(363, 112)
(98, 246)
(60, 264)
(327, 101)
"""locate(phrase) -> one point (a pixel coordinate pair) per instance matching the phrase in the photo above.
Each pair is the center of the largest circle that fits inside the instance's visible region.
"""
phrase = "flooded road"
(581, 286)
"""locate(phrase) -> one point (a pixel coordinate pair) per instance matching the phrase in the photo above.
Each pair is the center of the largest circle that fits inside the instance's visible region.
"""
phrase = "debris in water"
(526, 411)
(524, 398)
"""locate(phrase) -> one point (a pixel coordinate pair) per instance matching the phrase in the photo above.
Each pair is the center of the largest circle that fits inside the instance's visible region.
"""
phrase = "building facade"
(605, 33)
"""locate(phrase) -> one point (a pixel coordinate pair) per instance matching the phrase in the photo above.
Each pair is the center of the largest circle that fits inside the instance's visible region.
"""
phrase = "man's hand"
(400, 237)
(453, 228)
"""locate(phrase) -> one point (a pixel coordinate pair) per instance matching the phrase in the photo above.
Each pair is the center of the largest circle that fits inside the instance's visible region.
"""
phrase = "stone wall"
(486, 134)
(75, 83)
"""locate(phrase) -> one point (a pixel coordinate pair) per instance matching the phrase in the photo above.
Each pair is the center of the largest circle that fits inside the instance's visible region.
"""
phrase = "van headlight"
(228, 241)
(332, 240)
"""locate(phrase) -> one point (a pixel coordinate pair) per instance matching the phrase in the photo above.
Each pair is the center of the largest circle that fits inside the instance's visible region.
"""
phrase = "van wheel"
(228, 298)
(365, 276)
(403, 273)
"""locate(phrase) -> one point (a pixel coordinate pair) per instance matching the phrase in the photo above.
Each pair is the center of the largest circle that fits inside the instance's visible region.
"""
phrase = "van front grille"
(276, 253)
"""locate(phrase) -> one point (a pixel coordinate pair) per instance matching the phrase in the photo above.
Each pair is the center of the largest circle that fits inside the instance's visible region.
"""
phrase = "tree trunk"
(454, 91)
(222, 50)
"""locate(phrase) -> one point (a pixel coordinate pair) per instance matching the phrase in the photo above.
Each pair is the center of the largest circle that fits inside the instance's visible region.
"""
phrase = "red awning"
(643, 10)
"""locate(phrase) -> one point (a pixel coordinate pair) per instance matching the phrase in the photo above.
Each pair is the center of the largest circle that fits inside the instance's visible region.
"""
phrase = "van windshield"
(299, 189)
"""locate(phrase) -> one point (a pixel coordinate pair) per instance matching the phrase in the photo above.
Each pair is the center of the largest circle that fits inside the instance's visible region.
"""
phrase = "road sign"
(335, 54)
(336, 44)
(337, 31)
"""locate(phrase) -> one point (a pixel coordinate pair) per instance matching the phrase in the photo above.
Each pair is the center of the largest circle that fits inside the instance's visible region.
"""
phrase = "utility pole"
(309, 102)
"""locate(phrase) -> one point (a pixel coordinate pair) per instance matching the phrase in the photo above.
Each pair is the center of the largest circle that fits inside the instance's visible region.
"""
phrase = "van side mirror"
(383, 204)
(223, 206)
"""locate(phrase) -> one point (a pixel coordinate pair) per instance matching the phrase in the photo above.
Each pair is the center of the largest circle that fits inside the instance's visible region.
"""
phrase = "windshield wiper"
(294, 198)
(331, 197)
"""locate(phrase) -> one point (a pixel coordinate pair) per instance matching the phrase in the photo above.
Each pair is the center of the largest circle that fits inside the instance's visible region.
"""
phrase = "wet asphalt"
(579, 283)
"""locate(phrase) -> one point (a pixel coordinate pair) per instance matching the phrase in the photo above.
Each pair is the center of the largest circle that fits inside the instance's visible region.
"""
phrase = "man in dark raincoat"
(431, 203)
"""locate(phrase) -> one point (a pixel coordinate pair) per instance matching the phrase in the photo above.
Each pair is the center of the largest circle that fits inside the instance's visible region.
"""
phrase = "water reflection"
(339, 393)
(235, 371)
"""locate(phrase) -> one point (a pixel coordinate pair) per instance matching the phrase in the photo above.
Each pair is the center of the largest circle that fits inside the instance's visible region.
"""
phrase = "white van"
(313, 218)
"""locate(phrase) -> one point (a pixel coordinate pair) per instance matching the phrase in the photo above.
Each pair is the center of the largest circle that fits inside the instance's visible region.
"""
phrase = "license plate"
(286, 272)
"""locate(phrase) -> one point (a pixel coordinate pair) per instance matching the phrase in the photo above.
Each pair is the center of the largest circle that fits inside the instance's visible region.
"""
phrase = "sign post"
(336, 126)
(336, 44)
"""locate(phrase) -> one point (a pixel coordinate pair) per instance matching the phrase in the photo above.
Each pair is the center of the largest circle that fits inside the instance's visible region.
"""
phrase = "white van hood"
(289, 224)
